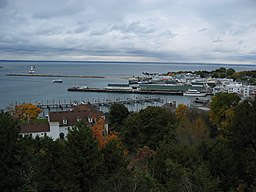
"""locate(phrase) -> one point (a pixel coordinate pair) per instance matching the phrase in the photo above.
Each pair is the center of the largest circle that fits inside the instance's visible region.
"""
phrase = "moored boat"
(194, 93)
(57, 81)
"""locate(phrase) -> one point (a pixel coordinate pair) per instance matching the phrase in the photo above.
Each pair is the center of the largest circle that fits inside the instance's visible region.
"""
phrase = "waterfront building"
(60, 123)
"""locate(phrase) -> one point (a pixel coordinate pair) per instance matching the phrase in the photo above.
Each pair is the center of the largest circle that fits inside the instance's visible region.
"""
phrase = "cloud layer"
(135, 30)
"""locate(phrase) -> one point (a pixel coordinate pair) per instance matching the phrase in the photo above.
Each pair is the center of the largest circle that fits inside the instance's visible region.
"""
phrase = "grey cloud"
(134, 27)
(202, 30)
(151, 29)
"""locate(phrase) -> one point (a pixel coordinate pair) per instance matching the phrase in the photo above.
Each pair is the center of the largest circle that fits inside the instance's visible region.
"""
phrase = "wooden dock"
(98, 103)
(138, 91)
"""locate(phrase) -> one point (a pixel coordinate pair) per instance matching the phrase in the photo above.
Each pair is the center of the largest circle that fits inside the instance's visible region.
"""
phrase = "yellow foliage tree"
(181, 111)
(26, 111)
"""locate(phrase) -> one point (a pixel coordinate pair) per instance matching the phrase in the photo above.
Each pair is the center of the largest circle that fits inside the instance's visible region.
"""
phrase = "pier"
(54, 75)
(97, 103)
(138, 91)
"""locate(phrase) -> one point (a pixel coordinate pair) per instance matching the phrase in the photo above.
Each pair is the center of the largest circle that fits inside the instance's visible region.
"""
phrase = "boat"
(194, 93)
(32, 71)
(57, 81)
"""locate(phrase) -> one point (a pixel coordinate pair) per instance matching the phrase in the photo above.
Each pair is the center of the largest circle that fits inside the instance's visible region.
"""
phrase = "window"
(65, 121)
(90, 120)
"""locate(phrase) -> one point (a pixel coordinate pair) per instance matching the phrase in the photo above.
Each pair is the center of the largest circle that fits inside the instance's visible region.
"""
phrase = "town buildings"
(60, 123)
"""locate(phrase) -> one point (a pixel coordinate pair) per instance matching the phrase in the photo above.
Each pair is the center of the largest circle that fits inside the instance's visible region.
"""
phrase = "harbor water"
(20, 89)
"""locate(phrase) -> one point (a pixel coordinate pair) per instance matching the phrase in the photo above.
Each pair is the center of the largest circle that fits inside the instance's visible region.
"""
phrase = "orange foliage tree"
(26, 111)
(98, 129)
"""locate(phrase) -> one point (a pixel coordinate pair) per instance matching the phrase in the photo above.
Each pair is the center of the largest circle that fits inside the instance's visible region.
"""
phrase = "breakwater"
(165, 92)
(55, 75)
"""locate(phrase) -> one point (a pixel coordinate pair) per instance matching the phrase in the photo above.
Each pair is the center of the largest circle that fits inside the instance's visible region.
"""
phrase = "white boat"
(32, 71)
(194, 93)
(57, 81)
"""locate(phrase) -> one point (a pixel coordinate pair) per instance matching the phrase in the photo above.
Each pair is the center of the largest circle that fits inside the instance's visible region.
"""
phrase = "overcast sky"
(221, 31)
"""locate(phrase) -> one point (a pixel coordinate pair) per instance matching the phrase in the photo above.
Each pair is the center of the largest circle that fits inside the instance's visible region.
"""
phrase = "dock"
(137, 91)
(55, 75)
(97, 103)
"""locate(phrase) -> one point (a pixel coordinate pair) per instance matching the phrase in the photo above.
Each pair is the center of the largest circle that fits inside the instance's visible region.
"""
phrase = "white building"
(59, 123)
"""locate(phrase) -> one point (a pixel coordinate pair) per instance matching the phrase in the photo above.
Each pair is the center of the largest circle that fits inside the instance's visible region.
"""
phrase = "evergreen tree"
(84, 159)
(147, 127)
(117, 114)
(9, 164)
(243, 141)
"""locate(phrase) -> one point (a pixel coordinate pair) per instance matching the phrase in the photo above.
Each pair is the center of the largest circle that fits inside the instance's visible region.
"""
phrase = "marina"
(17, 85)
(102, 104)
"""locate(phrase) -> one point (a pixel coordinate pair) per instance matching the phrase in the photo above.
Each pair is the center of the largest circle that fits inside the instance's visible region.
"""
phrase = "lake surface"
(19, 89)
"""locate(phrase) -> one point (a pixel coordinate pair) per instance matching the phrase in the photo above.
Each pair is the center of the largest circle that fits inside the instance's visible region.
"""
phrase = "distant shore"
(55, 75)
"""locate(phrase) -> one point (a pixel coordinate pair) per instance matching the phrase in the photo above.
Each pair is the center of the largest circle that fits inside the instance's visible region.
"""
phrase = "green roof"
(153, 87)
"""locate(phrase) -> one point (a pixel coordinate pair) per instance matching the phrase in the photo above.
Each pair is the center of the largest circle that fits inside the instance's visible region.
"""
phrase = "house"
(61, 122)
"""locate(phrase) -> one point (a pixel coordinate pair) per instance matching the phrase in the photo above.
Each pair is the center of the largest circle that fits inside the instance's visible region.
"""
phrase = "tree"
(114, 173)
(222, 110)
(102, 139)
(147, 127)
(26, 111)
(230, 72)
(84, 159)
(181, 111)
(9, 168)
(118, 112)
(243, 142)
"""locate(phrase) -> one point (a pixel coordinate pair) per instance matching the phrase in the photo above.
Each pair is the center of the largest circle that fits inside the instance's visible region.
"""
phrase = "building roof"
(80, 112)
(34, 127)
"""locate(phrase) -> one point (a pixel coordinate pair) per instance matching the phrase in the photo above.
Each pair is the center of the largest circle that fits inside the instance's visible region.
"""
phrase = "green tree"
(176, 168)
(114, 173)
(222, 110)
(230, 72)
(243, 141)
(222, 164)
(118, 112)
(147, 127)
(9, 164)
(84, 159)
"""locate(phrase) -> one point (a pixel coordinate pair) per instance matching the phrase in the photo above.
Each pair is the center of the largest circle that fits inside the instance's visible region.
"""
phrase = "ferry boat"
(194, 93)
(57, 81)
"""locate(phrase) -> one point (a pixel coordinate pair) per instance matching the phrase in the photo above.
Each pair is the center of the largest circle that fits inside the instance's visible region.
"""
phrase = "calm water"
(41, 89)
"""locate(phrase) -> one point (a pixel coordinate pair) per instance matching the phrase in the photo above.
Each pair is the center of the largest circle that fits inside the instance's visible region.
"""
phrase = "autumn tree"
(181, 111)
(98, 129)
(26, 111)
(192, 127)
(222, 110)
